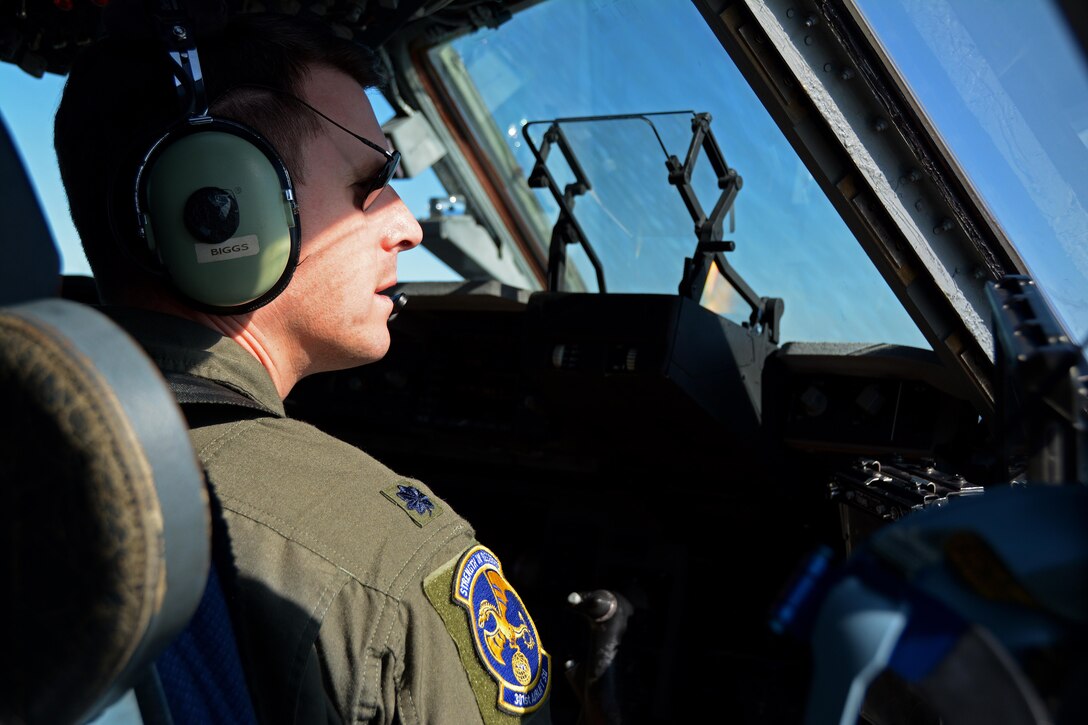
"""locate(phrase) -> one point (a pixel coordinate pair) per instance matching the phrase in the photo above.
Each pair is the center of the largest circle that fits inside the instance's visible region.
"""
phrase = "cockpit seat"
(105, 518)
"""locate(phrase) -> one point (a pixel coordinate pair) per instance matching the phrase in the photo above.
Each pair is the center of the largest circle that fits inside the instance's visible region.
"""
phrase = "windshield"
(790, 242)
(1008, 90)
(621, 162)
(607, 171)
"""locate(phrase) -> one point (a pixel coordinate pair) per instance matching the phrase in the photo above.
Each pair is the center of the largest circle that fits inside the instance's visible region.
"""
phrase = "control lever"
(595, 681)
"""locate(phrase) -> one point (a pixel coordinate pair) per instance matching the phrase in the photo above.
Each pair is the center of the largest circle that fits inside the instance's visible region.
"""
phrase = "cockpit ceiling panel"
(44, 37)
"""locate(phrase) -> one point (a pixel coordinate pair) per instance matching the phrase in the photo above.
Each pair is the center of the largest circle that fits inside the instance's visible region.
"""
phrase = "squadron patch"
(413, 502)
(505, 637)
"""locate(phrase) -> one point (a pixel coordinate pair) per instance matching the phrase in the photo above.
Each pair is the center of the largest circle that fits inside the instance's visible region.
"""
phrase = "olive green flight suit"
(336, 625)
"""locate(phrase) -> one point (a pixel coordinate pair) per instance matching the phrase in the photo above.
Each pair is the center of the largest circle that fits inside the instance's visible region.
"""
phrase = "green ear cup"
(251, 253)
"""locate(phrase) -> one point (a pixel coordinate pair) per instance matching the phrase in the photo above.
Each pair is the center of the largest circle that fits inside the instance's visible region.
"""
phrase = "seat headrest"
(104, 514)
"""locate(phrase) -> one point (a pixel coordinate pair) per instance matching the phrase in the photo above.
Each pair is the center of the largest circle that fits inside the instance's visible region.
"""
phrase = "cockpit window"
(1007, 88)
(790, 242)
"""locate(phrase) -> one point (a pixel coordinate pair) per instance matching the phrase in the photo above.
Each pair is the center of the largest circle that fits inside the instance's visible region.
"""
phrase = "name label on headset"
(244, 246)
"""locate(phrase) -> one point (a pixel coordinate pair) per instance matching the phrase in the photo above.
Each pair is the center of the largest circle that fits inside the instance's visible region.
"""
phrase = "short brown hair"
(119, 98)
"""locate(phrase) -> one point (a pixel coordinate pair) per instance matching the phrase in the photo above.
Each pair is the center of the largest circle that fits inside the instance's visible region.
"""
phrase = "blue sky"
(27, 105)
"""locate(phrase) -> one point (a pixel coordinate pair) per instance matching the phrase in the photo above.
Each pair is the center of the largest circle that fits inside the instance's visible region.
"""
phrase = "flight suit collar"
(178, 345)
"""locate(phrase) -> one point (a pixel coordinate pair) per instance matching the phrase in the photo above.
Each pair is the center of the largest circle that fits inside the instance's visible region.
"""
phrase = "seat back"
(105, 521)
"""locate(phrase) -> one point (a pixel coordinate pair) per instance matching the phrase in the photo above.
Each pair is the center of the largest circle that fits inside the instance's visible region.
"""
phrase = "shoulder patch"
(418, 505)
(506, 639)
(500, 641)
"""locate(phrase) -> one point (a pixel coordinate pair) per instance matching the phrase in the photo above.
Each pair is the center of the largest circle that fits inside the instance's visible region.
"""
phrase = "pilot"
(246, 248)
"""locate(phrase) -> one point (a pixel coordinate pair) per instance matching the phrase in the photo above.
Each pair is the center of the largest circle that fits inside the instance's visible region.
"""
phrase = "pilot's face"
(338, 316)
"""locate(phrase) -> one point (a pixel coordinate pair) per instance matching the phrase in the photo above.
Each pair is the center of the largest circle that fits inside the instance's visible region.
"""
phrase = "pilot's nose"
(407, 231)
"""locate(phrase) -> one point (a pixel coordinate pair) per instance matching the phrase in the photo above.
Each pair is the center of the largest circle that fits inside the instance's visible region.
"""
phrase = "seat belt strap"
(190, 389)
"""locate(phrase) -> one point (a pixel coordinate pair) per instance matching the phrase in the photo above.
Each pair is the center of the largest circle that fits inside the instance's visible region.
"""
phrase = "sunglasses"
(377, 184)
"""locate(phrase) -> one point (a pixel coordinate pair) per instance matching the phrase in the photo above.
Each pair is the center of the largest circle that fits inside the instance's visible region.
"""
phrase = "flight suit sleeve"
(417, 659)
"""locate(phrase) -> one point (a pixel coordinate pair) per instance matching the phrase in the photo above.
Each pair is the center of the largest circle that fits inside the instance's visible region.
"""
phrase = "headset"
(214, 203)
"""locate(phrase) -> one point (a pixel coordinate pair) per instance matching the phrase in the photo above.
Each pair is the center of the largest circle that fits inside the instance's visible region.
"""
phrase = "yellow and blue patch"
(505, 637)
